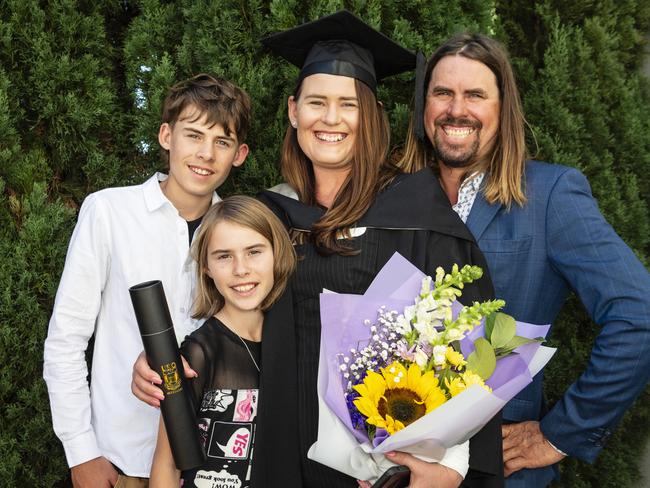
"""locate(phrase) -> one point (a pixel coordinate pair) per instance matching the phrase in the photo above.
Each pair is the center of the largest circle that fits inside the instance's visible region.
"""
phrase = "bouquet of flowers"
(406, 367)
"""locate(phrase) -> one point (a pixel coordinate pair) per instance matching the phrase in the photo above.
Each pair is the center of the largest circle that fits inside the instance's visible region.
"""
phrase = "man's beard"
(448, 154)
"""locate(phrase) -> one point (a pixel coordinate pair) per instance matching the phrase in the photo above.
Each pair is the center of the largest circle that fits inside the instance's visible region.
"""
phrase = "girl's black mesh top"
(225, 395)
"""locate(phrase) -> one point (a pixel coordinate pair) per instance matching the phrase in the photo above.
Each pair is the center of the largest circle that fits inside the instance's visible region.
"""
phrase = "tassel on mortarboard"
(418, 103)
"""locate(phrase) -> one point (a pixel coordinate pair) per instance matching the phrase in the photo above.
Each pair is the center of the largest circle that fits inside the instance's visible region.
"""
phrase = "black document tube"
(157, 331)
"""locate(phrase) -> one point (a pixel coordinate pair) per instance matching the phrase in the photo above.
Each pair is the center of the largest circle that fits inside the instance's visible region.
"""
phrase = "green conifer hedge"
(81, 86)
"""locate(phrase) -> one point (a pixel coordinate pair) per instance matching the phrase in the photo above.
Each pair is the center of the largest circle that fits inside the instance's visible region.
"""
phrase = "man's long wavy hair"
(505, 164)
(370, 171)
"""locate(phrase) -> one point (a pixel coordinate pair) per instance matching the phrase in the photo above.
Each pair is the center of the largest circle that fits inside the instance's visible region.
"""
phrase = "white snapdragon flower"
(426, 285)
(427, 306)
(454, 335)
(428, 303)
(409, 312)
(448, 314)
(428, 332)
(440, 274)
(421, 358)
(441, 314)
(422, 319)
(439, 355)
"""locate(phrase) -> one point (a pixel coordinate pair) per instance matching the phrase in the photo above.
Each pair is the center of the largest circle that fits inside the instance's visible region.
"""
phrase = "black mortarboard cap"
(341, 44)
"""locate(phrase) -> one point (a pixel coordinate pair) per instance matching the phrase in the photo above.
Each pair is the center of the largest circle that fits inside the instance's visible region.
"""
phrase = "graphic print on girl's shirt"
(226, 423)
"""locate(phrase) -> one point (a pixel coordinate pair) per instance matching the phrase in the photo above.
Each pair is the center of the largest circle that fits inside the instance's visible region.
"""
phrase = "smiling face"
(200, 157)
(462, 110)
(240, 263)
(326, 115)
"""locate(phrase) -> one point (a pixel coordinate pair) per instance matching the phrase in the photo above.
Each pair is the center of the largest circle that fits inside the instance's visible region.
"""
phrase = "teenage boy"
(125, 236)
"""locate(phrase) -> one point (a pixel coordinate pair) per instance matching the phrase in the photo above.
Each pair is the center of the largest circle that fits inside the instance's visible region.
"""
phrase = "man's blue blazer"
(537, 254)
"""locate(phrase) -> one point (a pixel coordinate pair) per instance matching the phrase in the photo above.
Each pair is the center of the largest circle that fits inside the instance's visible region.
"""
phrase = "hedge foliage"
(81, 85)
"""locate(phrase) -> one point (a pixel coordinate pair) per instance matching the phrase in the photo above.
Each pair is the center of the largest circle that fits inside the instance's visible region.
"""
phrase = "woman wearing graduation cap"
(349, 210)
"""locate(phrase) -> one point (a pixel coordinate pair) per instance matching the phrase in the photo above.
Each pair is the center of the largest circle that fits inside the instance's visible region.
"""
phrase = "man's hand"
(524, 446)
(98, 472)
(145, 379)
(423, 474)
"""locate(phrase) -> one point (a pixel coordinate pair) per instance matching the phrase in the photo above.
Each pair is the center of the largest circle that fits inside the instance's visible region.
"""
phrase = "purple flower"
(358, 421)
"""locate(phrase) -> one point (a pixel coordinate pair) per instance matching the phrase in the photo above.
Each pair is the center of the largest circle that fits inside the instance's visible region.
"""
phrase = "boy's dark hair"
(221, 101)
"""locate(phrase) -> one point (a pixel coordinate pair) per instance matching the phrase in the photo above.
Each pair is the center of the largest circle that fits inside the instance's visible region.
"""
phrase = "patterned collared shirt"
(467, 194)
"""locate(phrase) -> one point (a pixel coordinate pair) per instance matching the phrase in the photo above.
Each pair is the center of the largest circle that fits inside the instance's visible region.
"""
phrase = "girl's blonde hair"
(250, 213)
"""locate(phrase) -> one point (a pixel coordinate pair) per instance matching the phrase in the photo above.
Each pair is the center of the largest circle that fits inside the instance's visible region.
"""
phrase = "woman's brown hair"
(369, 172)
(250, 213)
(505, 166)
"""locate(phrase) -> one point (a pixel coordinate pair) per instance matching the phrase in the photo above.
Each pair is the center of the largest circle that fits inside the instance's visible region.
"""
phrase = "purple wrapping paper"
(342, 318)
(395, 287)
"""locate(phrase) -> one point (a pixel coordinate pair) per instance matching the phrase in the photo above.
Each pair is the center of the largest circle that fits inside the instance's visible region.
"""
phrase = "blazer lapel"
(481, 215)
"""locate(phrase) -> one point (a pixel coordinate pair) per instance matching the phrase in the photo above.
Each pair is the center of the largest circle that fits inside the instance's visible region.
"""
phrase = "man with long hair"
(543, 237)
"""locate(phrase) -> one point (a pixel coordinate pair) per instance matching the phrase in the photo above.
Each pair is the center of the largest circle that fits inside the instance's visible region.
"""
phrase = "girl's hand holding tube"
(145, 380)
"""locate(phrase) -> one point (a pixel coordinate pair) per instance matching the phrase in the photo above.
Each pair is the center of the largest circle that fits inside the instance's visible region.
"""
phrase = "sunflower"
(397, 397)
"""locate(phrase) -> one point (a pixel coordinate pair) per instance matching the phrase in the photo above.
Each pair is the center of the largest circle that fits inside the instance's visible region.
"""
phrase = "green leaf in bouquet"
(514, 343)
(503, 331)
(372, 430)
(489, 324)
(482, 361)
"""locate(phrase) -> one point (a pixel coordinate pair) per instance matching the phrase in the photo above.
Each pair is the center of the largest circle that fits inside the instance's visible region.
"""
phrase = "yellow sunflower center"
(401, 404)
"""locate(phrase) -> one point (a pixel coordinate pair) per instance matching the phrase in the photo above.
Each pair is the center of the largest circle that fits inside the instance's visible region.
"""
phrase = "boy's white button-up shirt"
(124, 236)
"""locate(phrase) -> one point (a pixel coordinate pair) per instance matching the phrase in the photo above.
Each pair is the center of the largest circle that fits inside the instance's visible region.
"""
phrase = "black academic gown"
(413, 217)
(276, 461)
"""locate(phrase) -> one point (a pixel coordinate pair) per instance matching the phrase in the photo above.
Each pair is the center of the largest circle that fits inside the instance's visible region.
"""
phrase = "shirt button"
(182, 309)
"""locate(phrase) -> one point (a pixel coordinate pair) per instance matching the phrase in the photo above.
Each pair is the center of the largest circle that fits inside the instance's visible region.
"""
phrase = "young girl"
(244, 261)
